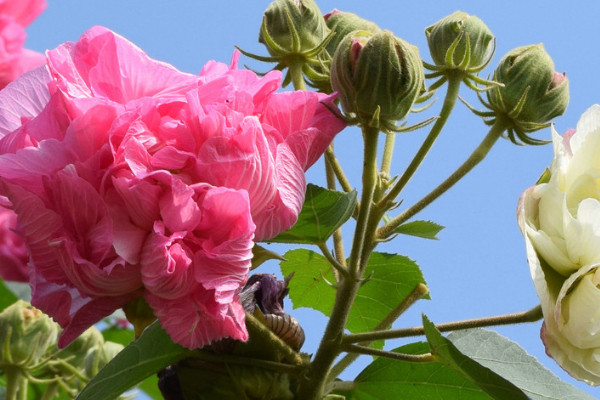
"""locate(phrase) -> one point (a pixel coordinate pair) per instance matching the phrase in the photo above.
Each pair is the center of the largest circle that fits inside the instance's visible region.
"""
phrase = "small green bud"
(25, 335)
(98, 356)
(533, 92)
(292, 27)
(378, 77)
(342, 23)
(460, 41)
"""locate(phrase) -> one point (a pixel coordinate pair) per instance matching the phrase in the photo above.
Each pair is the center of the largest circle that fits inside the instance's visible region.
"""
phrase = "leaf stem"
(417, 293)
(532, 315)
(333, 261)
(475, 158)
(454, 81)
(354, 348)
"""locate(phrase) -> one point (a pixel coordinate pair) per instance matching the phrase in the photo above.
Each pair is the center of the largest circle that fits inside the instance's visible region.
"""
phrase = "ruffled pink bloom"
(13, 254)
(15, 15)
(130, 178)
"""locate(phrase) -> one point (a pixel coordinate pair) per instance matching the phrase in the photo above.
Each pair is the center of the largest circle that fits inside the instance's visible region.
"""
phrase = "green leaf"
(151, 352)
(322, 213)
(508, 359)
(391, 278)
(422, 229)
(118, 335)
(445, 351)
(386, 379)
(309, 287)
(7, 297)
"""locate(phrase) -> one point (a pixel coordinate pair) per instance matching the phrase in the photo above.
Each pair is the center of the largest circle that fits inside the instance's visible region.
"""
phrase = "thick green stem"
(532, 315)
(14, 378)
(369, 182)
(475, 158)
(454, 81)
(417, 293)
(313, 383)
(295, 69)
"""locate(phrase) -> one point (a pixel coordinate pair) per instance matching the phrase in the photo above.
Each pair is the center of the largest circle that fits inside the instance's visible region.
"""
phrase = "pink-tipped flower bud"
(377, 76)
(533, 93)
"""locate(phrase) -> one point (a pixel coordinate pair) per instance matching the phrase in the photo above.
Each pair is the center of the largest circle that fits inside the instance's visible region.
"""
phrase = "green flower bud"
(460, 41)
(98, 356)
(25, 335)
(292, 27)
(378, 77)
(75, 353)
(343, 23)
(533, 92)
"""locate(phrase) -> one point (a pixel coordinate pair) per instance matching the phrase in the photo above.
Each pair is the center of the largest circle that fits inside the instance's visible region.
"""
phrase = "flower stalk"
(455, 78)
(312, 386)
(531, 315)
(475, 158)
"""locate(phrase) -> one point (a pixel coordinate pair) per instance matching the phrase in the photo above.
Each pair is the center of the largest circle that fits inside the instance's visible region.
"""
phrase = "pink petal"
(23, 99)
(22, 11)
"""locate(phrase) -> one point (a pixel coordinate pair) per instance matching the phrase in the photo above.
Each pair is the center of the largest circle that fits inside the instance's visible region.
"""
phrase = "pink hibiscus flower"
(15, 15)
(130, 178)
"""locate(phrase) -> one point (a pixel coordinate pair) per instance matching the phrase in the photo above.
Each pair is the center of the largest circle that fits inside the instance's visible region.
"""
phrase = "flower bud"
(25, 335)
(460, 41)
(292, 27)
(342, 23)
(378, 76)
(533, 92)
(98, 356)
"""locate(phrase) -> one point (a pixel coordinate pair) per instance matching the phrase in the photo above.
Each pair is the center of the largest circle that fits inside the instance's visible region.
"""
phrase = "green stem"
(389, 354)
(454, 81)
(532, 315)
(337, 169)
(417, 293)
(312, 384)
(475, 158)
(339, 268)
(338, 243)
(23, 389)
(295, 69)
(388, 152)
(14, 378)
(369, 182)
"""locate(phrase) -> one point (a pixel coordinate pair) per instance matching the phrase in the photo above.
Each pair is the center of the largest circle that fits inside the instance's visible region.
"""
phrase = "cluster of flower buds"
(28, 346)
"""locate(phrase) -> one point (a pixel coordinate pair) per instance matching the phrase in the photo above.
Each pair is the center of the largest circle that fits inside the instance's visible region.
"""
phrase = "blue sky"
(478, 267)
